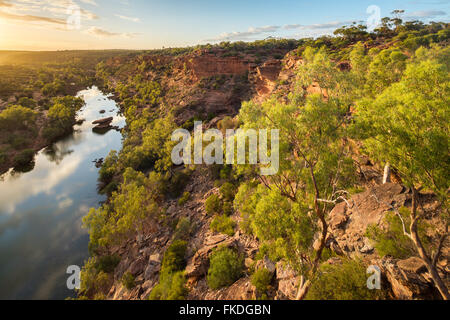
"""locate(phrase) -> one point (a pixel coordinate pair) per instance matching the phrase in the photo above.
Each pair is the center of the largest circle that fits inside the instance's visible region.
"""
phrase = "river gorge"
(41, 211)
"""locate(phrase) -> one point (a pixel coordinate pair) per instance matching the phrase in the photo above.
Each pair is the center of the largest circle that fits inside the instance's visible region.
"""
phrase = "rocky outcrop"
(198, 265)
(209, 65)
(409, 279)
(348, 222)
(267, 76)
(288, 282)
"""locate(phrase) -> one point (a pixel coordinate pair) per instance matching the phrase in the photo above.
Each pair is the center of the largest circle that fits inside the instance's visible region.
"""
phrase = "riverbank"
(41, 210)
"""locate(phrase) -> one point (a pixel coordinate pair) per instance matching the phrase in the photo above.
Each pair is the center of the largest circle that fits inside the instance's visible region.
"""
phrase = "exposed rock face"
(409, 279)
(348, 222)
(267, 76)
(210, 65)
(288, 282)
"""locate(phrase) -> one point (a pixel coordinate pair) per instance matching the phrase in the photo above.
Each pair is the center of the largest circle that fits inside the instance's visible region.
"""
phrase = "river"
(41, 211)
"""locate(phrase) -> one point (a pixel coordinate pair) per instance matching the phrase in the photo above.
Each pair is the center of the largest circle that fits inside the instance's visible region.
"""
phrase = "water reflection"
(41, 211)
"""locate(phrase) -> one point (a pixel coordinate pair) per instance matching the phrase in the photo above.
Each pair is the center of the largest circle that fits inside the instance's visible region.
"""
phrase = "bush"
(213, 204)
(171, 284)
(227, 208)
(261, 279)
(185, 198)
(228, 192)
(393, 242)
(17, 117)
(223, 224)
(346, 281)
(173, 260)
(107, 264)
(225, 268)
(170, 287)
(183, 229)
(128, 281)
(25, 158)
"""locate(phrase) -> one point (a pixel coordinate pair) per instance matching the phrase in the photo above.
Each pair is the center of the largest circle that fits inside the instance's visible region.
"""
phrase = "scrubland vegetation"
(383, 93)
(392, 101)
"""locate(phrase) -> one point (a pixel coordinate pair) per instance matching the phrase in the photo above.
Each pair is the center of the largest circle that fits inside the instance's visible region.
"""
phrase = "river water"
(41, 230)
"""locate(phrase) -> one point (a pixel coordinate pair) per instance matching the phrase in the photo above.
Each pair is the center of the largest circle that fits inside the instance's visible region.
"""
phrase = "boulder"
(137, 267)
(408, 279)
(288, 282)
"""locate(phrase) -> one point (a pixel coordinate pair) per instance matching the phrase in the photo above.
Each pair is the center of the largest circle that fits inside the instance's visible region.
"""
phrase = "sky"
(153, 24)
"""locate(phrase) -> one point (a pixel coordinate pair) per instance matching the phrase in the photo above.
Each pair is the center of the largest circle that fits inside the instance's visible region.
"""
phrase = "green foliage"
(17, 117)
(93, 281)
(183, 229)
(174, 257)
(61, 117)
(386, 68)
(128, 281)
(223, 224)
(107, 263)
(407, 125)
(170, 287)
(261, 279)
(185, 198)
(225, 268)
(109, 167)
(213, 204)
(135, 201)
(27, 103)
(277, 221)
(346, 281)
(24, 158)
(392, 241)
(228, 191)
(172, 281)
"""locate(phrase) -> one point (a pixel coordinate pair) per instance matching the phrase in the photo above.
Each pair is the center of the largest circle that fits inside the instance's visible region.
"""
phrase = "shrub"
(213, 204)
(183, 229)
(171, 284)
(27, 103)
(346, 281)
(174, 257)
(261, 279)
(223, 224)
(228, 192)
(17, 117)
(185, 198)
(25, 158)
(393, 242)
(227, 208)
(128, 281)
(170, 287)
(107, 264)
(225, 268)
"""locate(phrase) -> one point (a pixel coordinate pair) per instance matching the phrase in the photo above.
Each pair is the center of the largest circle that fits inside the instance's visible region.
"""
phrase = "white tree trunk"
(387, 173)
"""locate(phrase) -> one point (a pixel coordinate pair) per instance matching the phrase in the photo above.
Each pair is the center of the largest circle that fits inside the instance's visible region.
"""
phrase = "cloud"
(253, 33)
(426, 14)
(128, 18)
(91, 2)
(245, 35)
(5, 4)
(319, 26)
(32, 18)
(102, 33)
